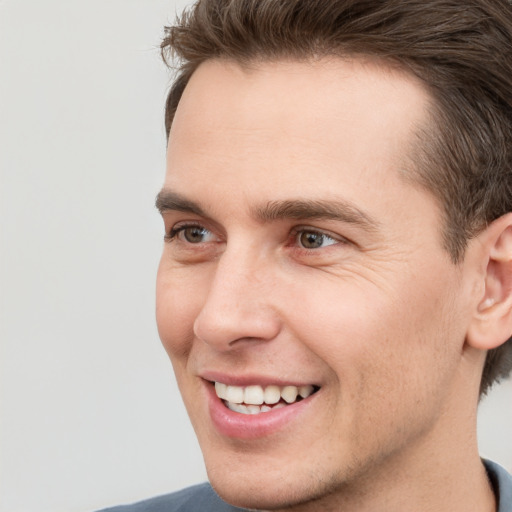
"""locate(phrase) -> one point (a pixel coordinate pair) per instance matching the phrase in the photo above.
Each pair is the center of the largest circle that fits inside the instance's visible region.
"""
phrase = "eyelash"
(176, 230)
(293, 236)
(299, 231)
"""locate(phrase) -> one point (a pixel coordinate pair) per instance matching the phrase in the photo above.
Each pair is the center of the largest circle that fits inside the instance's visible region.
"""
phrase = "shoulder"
(502, 483)
(198, 498)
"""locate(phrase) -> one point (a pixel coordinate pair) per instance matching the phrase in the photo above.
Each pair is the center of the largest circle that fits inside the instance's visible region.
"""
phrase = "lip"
(252, 426)
(250, 380)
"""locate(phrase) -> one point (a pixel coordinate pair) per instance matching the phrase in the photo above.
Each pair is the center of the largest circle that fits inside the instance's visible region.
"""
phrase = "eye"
(309, 239)
(192, 234)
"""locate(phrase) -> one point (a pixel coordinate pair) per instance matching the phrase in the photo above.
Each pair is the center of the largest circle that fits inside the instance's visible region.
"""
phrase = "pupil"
(311, 240)
(194, 235)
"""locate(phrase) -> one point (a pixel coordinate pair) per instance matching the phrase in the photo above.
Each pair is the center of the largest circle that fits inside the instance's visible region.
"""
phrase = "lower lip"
(252, 426)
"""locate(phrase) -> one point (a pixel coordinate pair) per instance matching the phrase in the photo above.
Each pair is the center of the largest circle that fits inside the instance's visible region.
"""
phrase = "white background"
(90, 414)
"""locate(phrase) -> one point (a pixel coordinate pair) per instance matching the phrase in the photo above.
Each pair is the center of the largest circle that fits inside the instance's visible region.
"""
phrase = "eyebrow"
(166, 200)
(300, 209)
(296, 209)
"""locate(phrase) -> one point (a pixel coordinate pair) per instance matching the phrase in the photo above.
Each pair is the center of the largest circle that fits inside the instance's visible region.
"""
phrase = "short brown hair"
(462, 51)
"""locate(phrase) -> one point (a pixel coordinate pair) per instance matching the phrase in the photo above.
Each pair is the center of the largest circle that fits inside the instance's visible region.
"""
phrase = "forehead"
(291, 124)
(373, 89)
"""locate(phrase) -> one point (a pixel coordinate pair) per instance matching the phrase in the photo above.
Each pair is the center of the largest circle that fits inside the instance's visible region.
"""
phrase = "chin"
(257, 497)
(266, 486)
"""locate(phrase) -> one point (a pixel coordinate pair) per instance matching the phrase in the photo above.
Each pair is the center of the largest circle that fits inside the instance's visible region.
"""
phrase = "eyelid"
(180, 227)
(328, 234)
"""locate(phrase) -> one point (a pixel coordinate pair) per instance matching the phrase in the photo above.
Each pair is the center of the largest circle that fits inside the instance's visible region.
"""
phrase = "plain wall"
(90, 413)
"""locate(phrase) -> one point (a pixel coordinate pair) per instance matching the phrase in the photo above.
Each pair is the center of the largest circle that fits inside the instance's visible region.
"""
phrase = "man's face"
(299, 256)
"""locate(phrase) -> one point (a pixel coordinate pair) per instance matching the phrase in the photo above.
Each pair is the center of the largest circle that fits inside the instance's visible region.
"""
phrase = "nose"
(238, 307)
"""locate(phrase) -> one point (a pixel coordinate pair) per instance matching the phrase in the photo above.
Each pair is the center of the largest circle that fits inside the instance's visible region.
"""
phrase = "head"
(464, 158)
(337, 210)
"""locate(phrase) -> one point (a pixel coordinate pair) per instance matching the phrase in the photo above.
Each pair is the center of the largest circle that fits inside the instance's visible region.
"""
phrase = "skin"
(377, 315)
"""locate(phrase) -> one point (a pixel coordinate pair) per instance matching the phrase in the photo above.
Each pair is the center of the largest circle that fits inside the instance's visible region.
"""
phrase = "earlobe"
(491, 324)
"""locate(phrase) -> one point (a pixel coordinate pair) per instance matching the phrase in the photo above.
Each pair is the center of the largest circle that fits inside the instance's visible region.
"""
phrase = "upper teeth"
(257, 395)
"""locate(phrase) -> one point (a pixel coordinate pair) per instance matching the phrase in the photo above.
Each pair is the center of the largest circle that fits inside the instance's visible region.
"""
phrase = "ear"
(491, 324)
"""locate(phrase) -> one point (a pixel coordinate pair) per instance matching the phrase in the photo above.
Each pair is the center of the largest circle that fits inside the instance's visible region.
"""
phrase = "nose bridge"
(238, 305)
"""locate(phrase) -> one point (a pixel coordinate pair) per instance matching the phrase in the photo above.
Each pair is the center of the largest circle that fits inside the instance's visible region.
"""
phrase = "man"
(335, 289)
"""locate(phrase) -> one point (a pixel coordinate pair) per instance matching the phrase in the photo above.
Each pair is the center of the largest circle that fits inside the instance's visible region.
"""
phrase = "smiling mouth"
(258, 399)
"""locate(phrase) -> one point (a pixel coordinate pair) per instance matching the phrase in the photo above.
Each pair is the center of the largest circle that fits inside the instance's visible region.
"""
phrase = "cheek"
(395, 336)
(177, 306)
